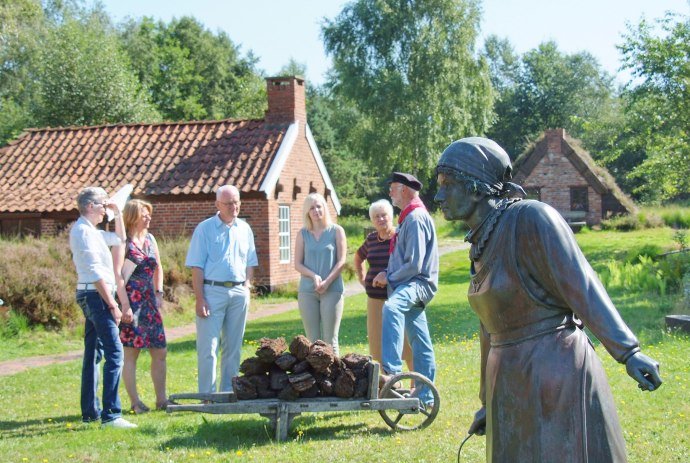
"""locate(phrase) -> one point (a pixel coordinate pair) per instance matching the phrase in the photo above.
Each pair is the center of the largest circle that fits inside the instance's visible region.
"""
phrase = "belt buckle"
(228, 284)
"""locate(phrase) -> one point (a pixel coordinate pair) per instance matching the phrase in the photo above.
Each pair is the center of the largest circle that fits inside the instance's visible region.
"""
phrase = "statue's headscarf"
(483, 160)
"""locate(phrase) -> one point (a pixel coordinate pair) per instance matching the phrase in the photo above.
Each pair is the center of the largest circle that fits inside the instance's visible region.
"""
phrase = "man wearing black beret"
(412, 281)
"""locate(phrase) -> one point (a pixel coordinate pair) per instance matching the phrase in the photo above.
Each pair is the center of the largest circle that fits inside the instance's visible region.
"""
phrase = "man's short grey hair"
(381, 204)
(232, 188)
(88, 195)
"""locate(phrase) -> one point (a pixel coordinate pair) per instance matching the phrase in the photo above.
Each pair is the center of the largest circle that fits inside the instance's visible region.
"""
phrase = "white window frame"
(284, 251)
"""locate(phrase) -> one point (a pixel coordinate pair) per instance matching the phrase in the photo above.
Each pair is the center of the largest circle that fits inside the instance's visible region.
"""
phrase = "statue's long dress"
(545, 390)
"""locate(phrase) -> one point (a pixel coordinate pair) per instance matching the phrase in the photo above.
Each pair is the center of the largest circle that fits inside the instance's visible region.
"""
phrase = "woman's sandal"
(140, 408)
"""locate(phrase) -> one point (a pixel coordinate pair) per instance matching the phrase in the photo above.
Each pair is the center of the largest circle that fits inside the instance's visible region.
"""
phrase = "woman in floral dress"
(143, 276)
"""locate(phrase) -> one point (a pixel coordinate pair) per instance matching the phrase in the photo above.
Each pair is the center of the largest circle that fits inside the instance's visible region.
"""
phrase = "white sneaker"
(119, 423)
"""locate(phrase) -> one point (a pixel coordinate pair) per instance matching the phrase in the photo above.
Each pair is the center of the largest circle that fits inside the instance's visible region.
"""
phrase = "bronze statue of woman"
(544, 392)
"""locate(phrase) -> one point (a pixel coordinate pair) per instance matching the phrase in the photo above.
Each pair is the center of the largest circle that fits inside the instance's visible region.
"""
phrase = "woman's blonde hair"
(134, 209)
(309, 201)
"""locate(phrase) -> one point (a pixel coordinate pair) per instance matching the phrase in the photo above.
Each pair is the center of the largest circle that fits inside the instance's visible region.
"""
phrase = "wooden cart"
(398, 406)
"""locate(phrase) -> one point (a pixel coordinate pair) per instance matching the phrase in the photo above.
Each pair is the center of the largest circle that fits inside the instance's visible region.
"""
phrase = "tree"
(293, 68)
(658, 106)
(62, 65)
(86, 79)
(331, 120)
(192, 73)
(545, 89)
(22, 24)
(409, 68)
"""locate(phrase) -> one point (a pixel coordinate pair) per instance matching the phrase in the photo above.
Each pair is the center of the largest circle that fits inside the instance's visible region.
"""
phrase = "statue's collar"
(480, 235)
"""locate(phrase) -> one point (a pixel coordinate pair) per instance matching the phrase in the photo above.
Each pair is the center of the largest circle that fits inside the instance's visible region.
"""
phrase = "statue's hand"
(478, 426)
(644, 370)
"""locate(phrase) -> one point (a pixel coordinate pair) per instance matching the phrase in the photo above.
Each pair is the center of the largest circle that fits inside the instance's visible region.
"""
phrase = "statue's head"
(481, 163)
(473, 171)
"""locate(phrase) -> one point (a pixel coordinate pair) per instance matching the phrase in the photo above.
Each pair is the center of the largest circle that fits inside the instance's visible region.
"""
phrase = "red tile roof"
(45, 169)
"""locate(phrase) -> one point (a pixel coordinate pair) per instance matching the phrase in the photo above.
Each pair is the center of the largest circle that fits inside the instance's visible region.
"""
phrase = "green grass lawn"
(40, 422)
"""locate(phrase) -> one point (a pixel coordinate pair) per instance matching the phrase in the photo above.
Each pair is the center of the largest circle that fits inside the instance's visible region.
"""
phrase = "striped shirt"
(375, 252)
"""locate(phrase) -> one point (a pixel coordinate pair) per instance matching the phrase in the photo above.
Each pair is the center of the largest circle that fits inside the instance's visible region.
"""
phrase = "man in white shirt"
(96, 288)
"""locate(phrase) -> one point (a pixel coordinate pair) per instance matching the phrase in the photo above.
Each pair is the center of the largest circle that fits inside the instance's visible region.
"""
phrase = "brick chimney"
(554, 138)
(286, 100)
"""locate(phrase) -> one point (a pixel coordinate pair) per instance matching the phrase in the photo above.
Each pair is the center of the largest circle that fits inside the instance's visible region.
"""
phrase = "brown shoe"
(139, 408)
(165, 404)
(384, 378)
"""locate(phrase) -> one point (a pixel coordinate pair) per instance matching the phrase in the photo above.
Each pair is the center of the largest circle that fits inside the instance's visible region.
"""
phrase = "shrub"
(38, 281)
(173, 253)
(674, 267)
(13, 324)
(627, 222)
(634, 255)
(622, 223)
(662, 276)
(676, 217)
(681, 238)
(643, 276)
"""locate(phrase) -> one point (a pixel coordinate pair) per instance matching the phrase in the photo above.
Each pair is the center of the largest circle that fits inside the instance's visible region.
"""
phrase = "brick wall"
(286, 100)
(49, 227)
(179, 215)
(555, 175)
(174, 218)
(299, 177)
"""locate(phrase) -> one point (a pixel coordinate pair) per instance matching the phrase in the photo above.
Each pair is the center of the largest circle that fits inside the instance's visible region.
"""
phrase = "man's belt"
(226, 284)
(91, 287)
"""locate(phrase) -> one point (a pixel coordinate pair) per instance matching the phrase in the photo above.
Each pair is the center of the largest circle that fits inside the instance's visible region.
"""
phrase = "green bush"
(641, 220)
(674, 268)
(13, 324)
(634, 255)
(38, 281)
(676, 217)
(173, 253)
(645, 274)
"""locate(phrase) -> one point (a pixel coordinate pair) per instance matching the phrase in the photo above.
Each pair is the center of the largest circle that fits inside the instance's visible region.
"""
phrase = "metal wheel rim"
(401, 421)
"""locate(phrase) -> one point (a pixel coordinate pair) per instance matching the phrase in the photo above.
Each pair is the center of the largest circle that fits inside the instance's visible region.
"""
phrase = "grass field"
(40, 422)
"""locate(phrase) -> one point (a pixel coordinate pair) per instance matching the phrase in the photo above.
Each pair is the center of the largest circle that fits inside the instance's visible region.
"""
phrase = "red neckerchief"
(414, 204)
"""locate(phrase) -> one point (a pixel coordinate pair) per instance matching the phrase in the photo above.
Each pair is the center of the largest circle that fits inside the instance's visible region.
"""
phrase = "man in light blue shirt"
(222, 257)
(412, 281)
(96, 287)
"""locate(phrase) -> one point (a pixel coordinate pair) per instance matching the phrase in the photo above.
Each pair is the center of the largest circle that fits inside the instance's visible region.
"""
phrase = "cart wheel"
(406, 421)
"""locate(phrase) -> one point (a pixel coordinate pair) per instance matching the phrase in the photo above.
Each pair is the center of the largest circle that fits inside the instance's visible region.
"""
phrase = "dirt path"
(11, 367)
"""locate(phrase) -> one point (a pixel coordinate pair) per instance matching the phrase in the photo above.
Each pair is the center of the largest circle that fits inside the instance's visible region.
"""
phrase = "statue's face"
(455, 201)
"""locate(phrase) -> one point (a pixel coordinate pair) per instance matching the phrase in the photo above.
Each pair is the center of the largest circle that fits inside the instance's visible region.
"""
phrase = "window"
(578, 199)
(533, 192)
(284, 233)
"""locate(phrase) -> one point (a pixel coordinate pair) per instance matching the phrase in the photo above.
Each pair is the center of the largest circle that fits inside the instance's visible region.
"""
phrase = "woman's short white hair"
(380, 205)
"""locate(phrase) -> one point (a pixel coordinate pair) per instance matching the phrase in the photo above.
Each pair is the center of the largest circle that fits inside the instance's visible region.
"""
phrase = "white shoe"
(119, 423)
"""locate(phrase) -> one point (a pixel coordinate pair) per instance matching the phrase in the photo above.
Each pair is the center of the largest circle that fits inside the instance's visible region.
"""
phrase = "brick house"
(555, 169)
(274, 162)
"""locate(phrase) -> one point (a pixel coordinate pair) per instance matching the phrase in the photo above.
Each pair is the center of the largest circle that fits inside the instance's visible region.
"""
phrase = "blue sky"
(277, 30)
